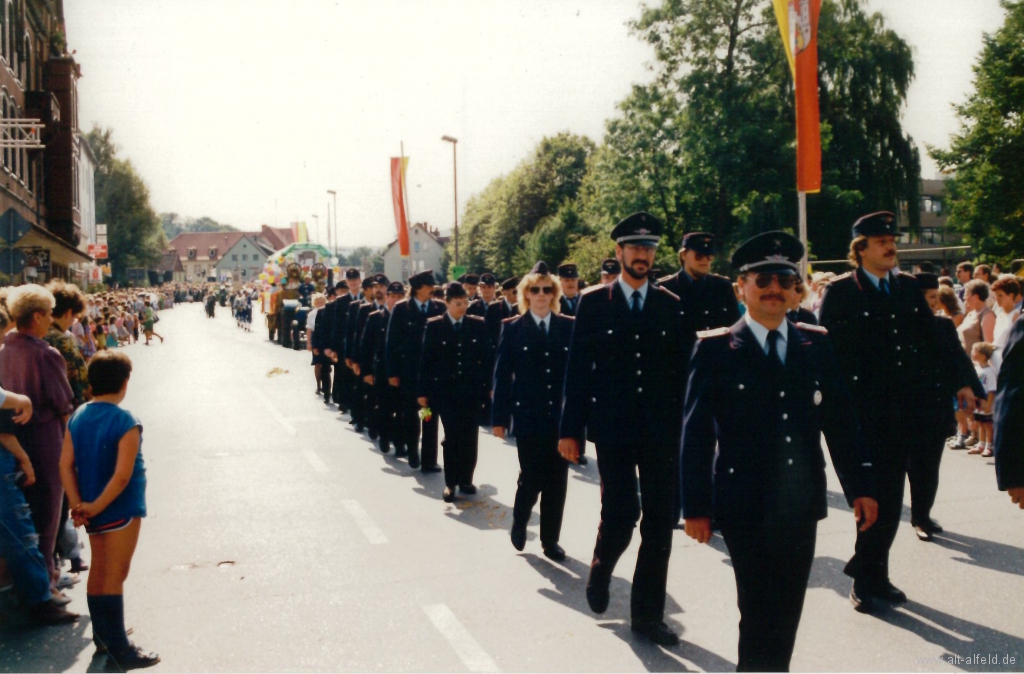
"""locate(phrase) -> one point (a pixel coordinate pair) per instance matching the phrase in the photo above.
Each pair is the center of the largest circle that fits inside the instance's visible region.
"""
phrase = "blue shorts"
(116, 525)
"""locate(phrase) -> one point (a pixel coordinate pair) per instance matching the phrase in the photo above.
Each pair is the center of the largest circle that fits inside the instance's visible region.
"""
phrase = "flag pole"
(802, 206)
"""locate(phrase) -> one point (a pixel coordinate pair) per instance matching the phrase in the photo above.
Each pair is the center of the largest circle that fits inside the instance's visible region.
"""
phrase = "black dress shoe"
(890, 593)
(861, 599)
(134, 658)
(373, 435)
(467, 489)
(597, 593)
(583, 460)
(656, 631)
(448, 494)
(555, 552)
(414, 462)
(431, 469)
(518, 537)
(400, 452)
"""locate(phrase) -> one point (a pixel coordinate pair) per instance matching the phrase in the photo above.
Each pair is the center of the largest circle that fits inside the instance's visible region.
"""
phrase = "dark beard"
(639, 276)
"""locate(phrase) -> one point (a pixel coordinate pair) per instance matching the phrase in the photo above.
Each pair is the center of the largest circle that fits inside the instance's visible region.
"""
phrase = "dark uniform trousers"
(624, 385)
(622, 497)
(454, 376)
(542, 473)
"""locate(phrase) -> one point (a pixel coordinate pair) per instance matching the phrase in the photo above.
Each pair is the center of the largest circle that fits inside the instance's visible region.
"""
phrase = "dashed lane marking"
(315, 461)
(278, 417)
(466, 647)
(363, 521)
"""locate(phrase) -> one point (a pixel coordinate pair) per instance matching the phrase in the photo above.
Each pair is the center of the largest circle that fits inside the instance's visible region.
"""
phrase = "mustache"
(773, 296)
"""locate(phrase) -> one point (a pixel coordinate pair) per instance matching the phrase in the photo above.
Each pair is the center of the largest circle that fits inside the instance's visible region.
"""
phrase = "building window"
(245, 258)
(415, 246)
(424, 247)
(234, 258)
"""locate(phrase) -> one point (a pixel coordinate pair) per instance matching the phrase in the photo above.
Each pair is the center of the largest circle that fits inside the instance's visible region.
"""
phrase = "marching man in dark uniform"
(336, 351)
(357, 310)
(364, 390)
(954, 366)
(321, 340)
(454, 382)
(529, 375)
(403, 350)
(764, 390)
(610, 270)
(884, 339)
(372, 366)
(1008, 417)
(569, 278)
(500, 309)
(471, 282)
(624, 390)
(706, 300)
(478, 306)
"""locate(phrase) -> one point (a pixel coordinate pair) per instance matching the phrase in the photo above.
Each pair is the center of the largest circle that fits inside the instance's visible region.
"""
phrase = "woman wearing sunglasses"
(528, 376)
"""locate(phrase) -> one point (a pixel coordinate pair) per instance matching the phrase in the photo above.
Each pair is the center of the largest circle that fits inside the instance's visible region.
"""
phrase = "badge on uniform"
(817, 397)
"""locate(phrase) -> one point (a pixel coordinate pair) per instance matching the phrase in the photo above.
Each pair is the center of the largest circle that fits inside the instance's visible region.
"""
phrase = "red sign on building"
(98, 251)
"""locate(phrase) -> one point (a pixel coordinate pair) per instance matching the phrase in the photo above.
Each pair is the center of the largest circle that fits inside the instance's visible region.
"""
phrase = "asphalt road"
(279, 539)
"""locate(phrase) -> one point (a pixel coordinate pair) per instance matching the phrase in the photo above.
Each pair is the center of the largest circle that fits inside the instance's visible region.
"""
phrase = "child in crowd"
(105, 478)
(980, 354)
(112, 340)
(130, 326)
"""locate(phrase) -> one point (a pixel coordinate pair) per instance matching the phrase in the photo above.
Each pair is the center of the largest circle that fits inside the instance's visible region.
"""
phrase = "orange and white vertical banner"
(798, 23)
(398, 166)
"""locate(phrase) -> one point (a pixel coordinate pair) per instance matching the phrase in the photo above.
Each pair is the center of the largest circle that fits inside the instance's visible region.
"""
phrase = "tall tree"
(134, 234)
(710, 140)
(987, 192)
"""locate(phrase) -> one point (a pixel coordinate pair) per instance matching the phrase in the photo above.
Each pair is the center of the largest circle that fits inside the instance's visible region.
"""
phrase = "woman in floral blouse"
(69, 304)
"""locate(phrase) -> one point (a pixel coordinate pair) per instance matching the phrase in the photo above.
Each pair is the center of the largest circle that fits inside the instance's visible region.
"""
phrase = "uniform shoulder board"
(812, 328)
(662, 280)
(667, 292)
(593, 289)
(473, 318)
(843, 277)
(905, 275)
(509, 319)
(717, 332)
(435, 319)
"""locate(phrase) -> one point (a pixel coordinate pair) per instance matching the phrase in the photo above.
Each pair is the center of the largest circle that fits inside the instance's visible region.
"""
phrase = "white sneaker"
(67, 580)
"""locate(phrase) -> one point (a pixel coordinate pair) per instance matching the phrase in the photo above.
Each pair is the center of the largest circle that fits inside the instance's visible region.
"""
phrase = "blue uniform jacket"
(768, 432)
(625, 382)
(529, 374)
(405, 339)
(1008, 415)
(455, 368)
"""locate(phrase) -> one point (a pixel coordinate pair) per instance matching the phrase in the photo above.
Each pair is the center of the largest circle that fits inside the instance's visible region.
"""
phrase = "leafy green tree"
(987, 192)
(709, 144)
(134, 234)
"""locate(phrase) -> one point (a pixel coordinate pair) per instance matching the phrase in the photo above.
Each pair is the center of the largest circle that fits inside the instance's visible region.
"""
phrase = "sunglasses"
(537, 290)
(785, 281)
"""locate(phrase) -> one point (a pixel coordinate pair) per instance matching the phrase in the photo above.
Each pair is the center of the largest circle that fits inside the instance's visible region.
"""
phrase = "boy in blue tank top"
(105, 479)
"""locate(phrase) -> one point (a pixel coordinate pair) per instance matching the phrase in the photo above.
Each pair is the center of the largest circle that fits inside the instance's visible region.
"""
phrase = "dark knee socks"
(107, 614)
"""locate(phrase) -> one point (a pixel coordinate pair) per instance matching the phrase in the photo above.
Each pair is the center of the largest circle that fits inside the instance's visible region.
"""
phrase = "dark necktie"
(773, 348)
(636, 304)
(424, 309)
(883, 285)
(457, 325)
(543, 329)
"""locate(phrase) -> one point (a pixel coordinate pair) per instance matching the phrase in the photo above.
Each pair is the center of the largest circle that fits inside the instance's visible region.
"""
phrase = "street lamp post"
(316, 219)
(334, 195)
(455, 181)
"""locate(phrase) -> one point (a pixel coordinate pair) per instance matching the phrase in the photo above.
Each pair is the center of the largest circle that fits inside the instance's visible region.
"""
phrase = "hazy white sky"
(248, 111)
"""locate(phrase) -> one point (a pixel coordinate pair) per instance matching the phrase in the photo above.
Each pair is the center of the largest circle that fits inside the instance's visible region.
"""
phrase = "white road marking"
(466, 647)
(315, 461)
(364, 522)
(278, 417)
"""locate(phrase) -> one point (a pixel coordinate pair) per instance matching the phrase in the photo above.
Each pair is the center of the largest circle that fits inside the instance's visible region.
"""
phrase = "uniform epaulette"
(667, 292)
(717, 332)
(842, 277)
(473, 318)
(509, 319)
(594, 288)
(810, 327)
(435, 319)
(662, 280)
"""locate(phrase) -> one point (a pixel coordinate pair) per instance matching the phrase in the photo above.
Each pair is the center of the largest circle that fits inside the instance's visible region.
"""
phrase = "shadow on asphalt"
(979, 552)
(959, 637)
(570, 580)
(41, 649)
